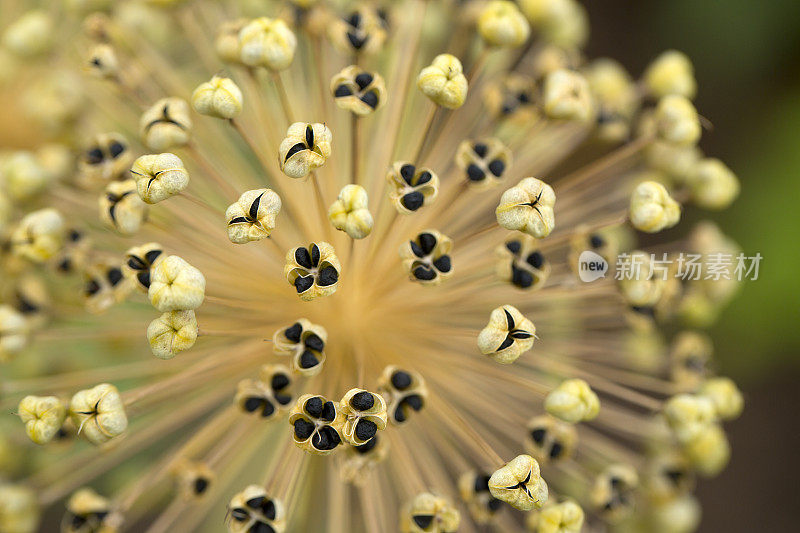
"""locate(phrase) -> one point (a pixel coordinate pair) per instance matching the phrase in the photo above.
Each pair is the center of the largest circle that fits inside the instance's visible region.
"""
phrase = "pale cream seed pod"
(192, 478)
(501, 23)
(317, 424)
(613, 492)
(563, 517)
(103, 62)
(252, 217)
(679, 515)
(411, 188)
(652, 209)
(473, 487)
(19, 509)
(305, 343)
(443, 81)
(573, 401)
(226, 43)
(689, 415)
(362, 31)
(563, 23)
(616, 98)
(266, 42)
(166, 124)
(713, 185)
(172, 333)
(519, 484)
(314, 270)
(358, 91)
(350, 212)
(30, 35)
(23, 177)
(709, 452)
(220, 98)
(528, 207)
(484, 161)
(641, 285)
(305, 148)
(429, 513)
(549, 439)
(690, 356)
(507, 336)
(39, 235)
(105, 158)
(159, 176)
(253, 509)
(98, 413)
(427, 258)
(670, 73)
(677, 121)
(725, 395)
(365, 415)
(43, 416)
(175, 285)
(94, 512)
(121, 208)
(566, 96)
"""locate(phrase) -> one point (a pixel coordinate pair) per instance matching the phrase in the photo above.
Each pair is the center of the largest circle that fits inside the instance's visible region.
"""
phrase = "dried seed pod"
(689, 415)
(103, 62)
(13, 332)
(43, 417)
(652, 209)
(88, 512)
(98, 413)
(220, 98)
(305, 148)
(561, 22)
(713, 184)
(192, 479)
(429, 513)
(638, 281)
(512, 95)
(612, 494)
(226, 43)
(690, 359)
(317, 424)
(266, 42)
(39, 235)
(484, 161)
(670, 73)
(528, 207)
(677, 121)
(19, 509)
(549, 439)
(104, 285)
(616, 98)
(563, 517)
(667, 476)
(519, 484)
(106, 158)
(411, 188)
(166, 124)
(403, 391)
(252, 216)
(679, 515)
(30, 35)
(159, 176)
(573, 401)
(365, 415)
(267, 395)
(474, 490)
(175, 285)
(725, 395)
(709, 451)
(139, 262)
(29, 296)
(172, 333)
(427, 257)
(350, 213)
(74, 254)
(501, 23)
(121, 208)
(362, 31)
(566, 96)
(305, 343)
(254, 510)
(360, 460)
(443, 81)
(23, 176)
(358, 91)
(521, 263)
(314, 271)
(507, 336)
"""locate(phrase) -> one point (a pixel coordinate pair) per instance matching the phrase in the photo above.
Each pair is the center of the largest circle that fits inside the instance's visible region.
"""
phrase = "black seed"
(116, 149)
(366, 429)
(328, 412)
(114, 276)
(94, 156)
(310, 137)
(326, 439)
(523, 98)
(279, 381)
(354, 20)
(327, 276)
(260, 527)
(362, 401)
(314, 342)
(356, 41)
(495, 505)
(424, 177)
(615, 482)
(251, 404)
(536, 260)
(674, 476)
(268, 509)
(302, 257)
(239, 514)
(401, 380)
(509, 320)
(136, 264)
(407, 172)
(315, 255)
(253, 212)
(427, 241)
(521, 335)
(92, 287)
(414, 401)
(475, 173)
(302, 284)
(415, 248)
(293, 332)
(538, 435)
(299, 147)
(342, 90)
(556, 450)
(314, 406)
(303, 429)
(78, 521)
(200, 485)
(424, 273)
(642, 310)
(65, 265)
(497, 167)
(308, 359)
(367, 446)
(596, 241)
(74, 235)
(514, 247)
(283, 399)
(239, 220)
(481, 483)
(480, 150)
(423, 521)
(443, 264)
(268, 409)
(363, 80)
(521, 278)
(400, 414)
(371, 99)
(255, 503)
(24, 306)
(413, 200)
(508, 109)
(506, 343)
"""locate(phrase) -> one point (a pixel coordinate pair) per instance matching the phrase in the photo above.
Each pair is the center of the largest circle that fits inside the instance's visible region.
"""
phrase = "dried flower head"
(519, 484)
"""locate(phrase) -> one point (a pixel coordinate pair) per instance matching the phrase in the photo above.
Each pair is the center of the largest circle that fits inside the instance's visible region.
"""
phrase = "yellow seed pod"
(551, 58)
(350, 213)
(360, 460)
(652, 209)
(512, 96)
(305, 148)
(159, 176)
(641, 285)
(30, 35)
(725, 395)
(564, 517)
(564, 23)
(612, 494)
(519, 484)
(676, 161)
(573, 401)
(305, 343)
(670, 73)
(121, 208)
(668, 475)
(43, 416)
(528, 207)
(429, 513)
(677, 121)
(104, 285)
(566, 96)
(502, 24)
(29, 296)
(314, 271)
(473, 487)
(443, 81)
(358, 91)
(616, 98)
(317, 424)
(411, 188)
(19, 509)
(362, 31)
(365, 415)
(713, 184)
(252, 216)
(139, 261)
(22, 176)
(680, 515)
(192, 479)
(57, 159)
(98, 413)
(175, 285)
(484, 161)
(266, 396)
(403, 391)
(172, 333)
(549, 439)
(427, 257)
(39, 235)
(88, 511)
(507, 336)
(643, 347)
(220, 98)
(689, 415)
(166, 124)
(254, 510)
(226, 42)
(709, 451)
(521, 263)
(266, 42)
(56, 101)
(105, 158)
(102, 62)
(606, 243)
(690, 359)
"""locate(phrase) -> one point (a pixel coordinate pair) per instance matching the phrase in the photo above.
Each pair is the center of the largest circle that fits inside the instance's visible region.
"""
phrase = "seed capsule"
(43, 416)
(528, 207)
(19, 509)
(549, 439)
(252, 217)
(519, 484)
(616, 99)
(502, 24)
(220, 98)
(139, 262)
(254, 510)
(363, 31)
(159, 176)
(709, 451)
(403, 390)
(172, 333)
(507, 336)
(573, 401)
(305, 148)
(677, 121)
(365, 415)
(689, 415)
(39, 235)
(429, 513)
(267, 395)
(314, 271)
(566, 96)
(484, 161)
(612, 494)
(474, 490)
(679, 515)
(30, 297)
(106, 158)
(87, 511)
(561, 22)
(564, 517)
(652, 209)
(103, 62)
(510, 96)
(23, 176)
(192, 479)
(317, 424)
(725, 395)
(411, 188)
(690, 359)
(713, 185)
(175, 285)
(444, 82)
(668, 475)
(98, 413)
(305, 343)
(121, 208)
(360, 460)
(350, 213)
(427, 257)
(520, 263)
(358, 91)
(641, 285)
(104, 285)
(226, 43)
(670, 73)
(266, 42)
(30, 35)
(166, 124)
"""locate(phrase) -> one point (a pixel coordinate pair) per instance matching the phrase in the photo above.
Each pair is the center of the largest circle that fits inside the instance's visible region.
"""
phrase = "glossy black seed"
(328, 412)
(556, 450)
(416, 249)
(521, 278)
(239, 220)
(308, 359)
(413, 200)
(407, 172)
(293, 332)
(299, 147)
(136, 264)
(538, 435)
(509, 320)
(255, 503)
(363, 80)
(268, 509)
(424, 177)
(615, 482)
(523, 98)
(597, 241)
(314, 342)
(303, 429)
(116, 149)
(326, 439)
(239, 514)
(94, 156)
(414, 401)
(427, 241)
(508, 109)
(423, 521)
(480, 149)
(92, 287)
(310, 136)
(366, 429)
(302, 284)
(342, 90)
(78, 521)
(535, 259)
(268, 409)
(253, 212)
(475, 173)
(367, 446)
(65, 265)
(356, 41)
(400, 414)
(495, 505)
(497, 167)
(362, 401)
(114, 276)
(401, 380)
(327, 276)
(260, 527)
(315, 255)
(506, 343)
(443, 264)
(522, 335)
(251, 404)
(355, 19)
(371, 99)
(674, 476)
(24, 306)
(74, 235)
(481, 483)
(303, 257)
(514, 247)
(283, 399)
(200, 485)
(424, 273)
(314, 406)
(279, 381)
